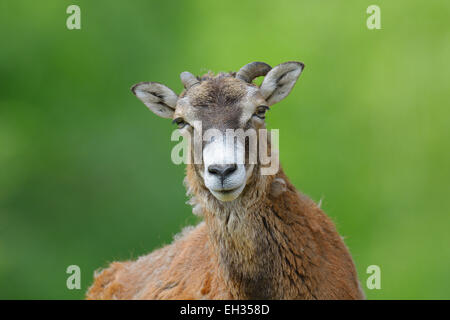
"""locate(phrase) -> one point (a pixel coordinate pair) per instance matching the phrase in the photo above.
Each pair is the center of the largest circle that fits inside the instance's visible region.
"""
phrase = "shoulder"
(149, 273)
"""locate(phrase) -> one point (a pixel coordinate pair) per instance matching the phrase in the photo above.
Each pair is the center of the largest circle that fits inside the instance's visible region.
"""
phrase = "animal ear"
(157, 97)
(280, 80)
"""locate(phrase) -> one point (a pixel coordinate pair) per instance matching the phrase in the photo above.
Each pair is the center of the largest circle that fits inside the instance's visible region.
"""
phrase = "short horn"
(252, 70)
(188, 79)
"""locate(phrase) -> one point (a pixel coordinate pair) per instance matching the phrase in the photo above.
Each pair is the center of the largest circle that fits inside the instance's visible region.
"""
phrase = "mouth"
(227, 194)
(226, 191)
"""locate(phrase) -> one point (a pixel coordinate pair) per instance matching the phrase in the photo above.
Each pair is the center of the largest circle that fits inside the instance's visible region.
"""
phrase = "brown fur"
(272, 242)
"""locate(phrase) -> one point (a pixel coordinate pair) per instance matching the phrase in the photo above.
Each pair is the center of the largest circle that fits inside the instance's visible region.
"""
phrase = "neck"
(253, 239)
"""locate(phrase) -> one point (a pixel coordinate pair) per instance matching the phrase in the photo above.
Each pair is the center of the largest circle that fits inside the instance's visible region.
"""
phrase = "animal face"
(227, 111)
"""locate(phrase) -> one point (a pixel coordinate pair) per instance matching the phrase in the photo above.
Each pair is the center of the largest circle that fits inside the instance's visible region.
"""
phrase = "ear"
(280, 80)
(157, 97)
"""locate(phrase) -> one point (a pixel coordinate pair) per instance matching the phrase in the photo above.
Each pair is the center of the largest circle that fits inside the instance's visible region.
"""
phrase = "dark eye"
(180, 122)
(261, 112)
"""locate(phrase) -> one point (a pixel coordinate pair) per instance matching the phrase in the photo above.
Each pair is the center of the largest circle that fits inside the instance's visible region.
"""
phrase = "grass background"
(85, 170)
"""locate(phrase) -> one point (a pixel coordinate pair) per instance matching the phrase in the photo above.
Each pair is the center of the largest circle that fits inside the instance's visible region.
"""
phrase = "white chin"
(228, 195)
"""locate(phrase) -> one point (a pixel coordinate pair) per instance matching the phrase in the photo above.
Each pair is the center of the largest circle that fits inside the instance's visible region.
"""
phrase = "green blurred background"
(85, 170)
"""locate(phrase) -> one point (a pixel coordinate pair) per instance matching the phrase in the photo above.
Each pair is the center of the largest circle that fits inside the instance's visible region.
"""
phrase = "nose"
(222, 170)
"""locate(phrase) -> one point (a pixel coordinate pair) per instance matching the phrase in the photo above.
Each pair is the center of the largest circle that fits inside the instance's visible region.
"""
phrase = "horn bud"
(253, 70)
(188, 80)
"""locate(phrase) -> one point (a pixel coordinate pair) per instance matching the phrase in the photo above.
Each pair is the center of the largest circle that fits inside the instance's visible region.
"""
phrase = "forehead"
(219, 102)
(219, 90)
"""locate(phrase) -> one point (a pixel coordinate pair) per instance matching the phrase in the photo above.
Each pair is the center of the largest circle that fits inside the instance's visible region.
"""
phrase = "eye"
(180, 122)
(261, 112)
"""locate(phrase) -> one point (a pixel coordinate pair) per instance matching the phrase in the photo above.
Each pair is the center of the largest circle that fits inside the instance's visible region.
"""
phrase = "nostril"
(222, 170)
(214, 169)
(229, 169)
